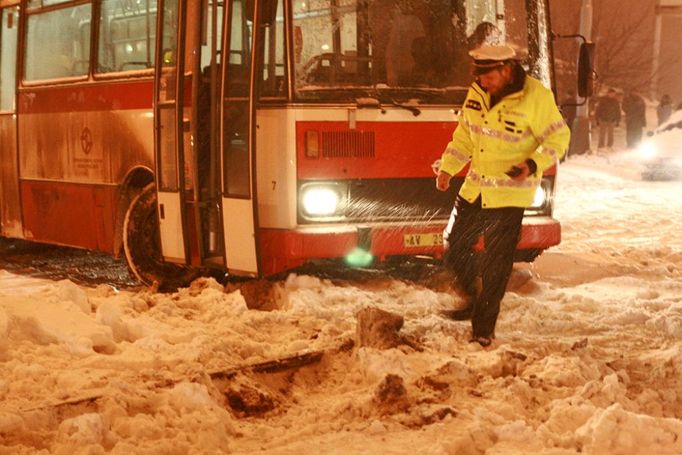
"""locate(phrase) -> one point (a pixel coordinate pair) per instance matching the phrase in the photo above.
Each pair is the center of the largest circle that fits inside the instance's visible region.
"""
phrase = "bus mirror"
(586, 74)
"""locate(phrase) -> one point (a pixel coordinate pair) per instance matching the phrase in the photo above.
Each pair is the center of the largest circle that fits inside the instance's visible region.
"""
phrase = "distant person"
(664, 109)
(635, 118)
(608, 117)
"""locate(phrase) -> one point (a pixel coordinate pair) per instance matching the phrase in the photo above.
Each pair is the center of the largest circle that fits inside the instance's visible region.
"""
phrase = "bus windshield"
(344, 49)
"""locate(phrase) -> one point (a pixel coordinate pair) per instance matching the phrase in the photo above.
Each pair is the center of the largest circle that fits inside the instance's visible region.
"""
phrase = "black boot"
(483, 341)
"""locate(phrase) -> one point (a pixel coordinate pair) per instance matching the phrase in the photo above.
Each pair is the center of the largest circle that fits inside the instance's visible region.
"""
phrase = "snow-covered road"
(588, 355)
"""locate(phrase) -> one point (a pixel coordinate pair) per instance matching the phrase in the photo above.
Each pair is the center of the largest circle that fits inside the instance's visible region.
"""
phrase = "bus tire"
(142, 244)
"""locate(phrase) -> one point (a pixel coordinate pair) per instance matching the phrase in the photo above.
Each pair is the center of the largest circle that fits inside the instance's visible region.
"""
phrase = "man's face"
(494, 81)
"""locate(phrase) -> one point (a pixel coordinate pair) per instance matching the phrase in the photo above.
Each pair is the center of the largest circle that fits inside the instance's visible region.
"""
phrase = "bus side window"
(8, 57)
(238, 72)
(58, 43)
(239, 57)
(127, 35)
(273, 80)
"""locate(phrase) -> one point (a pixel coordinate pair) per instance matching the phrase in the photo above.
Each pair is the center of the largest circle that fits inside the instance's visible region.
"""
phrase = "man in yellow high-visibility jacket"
(510, 130)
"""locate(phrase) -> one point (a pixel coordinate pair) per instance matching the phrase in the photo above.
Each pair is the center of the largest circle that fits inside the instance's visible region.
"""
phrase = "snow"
(588, 355)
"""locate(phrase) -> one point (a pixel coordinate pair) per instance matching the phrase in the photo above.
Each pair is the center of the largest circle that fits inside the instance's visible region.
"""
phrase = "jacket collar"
(512, 90)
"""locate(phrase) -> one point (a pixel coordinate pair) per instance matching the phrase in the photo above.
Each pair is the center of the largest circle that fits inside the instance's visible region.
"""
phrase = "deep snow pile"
(588, 355)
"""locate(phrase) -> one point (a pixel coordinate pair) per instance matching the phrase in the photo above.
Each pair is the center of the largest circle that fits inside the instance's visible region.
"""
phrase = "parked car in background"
(661, 152)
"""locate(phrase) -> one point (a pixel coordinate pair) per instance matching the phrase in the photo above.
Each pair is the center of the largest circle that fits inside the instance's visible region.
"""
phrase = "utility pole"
(580, 137)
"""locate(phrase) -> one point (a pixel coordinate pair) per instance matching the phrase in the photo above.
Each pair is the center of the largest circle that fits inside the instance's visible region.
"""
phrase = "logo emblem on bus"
(86, 140)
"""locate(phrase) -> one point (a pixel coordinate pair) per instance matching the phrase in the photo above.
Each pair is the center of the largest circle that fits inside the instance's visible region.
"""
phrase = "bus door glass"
(239, 220)
(169, 141)
(10, 210)
(206, 125)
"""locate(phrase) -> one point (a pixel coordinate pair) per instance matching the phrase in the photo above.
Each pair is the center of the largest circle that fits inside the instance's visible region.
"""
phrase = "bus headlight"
(542, 201)
(540, 196)
(321, 200)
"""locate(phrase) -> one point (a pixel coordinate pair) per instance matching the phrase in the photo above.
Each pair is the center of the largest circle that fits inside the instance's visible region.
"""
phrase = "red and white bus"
(251, 136)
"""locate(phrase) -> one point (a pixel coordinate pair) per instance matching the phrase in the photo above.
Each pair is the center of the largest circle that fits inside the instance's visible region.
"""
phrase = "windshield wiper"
(370, 102)
(409, 106)
(374, 102)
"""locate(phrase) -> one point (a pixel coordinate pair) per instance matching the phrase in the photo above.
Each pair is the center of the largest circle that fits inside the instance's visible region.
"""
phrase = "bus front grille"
(398, 199)
(347, 144)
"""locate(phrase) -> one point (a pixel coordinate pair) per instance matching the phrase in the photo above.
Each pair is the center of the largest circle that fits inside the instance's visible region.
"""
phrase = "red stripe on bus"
(401, 149)
(98, 96)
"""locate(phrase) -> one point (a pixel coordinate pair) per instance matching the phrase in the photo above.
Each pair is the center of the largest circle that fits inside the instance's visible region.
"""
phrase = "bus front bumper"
(283, 249)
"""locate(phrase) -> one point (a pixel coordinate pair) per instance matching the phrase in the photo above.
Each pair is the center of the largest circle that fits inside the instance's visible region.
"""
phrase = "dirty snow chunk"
(617, 431)
(376, 427)
(294, 282)
(502, 363)
(110, 314)
(378, 328)
(201, 284)
(629, 316)
(518, 434)
(105, 290)
(605, 392)
(83, 429)
(566, 416)
(375, 365)
(669, 324)
(298, 345)
(233, 302)
(190, 396)
(390, 396)
(68, 290)
(562, 371)
(58, 321)
(457, 372)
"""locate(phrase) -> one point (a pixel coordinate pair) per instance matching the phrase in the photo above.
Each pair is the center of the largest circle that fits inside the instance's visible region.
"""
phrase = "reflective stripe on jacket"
(525, 124)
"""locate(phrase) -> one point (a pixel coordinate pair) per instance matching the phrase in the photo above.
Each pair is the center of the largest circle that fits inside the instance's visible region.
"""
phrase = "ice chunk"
(68, 290)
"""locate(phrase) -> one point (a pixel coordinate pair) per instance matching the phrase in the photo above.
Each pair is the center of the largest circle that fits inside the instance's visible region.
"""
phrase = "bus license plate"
(426, 239)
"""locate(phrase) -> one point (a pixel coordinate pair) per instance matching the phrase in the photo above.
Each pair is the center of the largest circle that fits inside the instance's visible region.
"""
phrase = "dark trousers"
(606, 133)
(500, 228)
(633, 134)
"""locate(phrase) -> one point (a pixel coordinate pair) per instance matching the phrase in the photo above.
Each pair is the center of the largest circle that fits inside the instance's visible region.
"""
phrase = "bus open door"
(237, 140)
(203, 141)
(170, 135)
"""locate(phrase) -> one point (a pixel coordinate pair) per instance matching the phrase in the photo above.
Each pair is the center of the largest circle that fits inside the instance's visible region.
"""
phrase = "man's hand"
(519, 172)
(443, 181)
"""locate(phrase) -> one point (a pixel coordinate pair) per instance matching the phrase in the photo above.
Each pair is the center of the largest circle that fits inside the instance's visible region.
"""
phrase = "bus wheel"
(142, 245)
